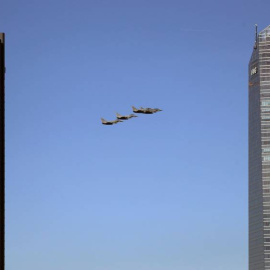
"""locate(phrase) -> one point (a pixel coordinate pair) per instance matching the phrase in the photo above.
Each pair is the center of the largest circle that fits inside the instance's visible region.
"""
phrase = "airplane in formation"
(105, 122)
(120, 117)
(145, 110)
(125, 117)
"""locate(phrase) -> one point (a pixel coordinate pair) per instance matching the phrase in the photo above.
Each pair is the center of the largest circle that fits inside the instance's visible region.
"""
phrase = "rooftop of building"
(265, 32)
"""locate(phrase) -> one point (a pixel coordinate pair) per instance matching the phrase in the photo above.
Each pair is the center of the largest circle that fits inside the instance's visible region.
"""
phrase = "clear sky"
(159, 192)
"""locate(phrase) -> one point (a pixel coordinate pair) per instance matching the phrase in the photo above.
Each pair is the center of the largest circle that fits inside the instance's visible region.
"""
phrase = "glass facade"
(259, 153)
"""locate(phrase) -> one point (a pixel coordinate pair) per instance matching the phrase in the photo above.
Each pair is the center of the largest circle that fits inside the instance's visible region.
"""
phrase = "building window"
(265, 103)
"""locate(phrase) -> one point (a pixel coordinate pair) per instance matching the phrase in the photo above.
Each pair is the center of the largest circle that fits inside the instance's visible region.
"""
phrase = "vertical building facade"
(2, 150)
(259, 153)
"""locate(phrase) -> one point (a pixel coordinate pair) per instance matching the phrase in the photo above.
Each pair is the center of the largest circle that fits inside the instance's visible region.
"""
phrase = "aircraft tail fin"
(118, 115)
(134, 109)
(103, 120)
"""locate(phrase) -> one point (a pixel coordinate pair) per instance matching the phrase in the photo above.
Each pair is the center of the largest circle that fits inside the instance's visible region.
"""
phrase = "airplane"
(151, 110)
(145, 110)
(105, 122)
(125, 117)
(137, 110)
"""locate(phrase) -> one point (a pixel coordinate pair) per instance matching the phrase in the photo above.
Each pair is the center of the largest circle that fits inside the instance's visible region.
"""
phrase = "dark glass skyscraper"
(259, 153)
(2, 150)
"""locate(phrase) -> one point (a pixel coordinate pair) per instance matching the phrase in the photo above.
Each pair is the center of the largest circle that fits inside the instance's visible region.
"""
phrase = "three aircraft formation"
(119, 117)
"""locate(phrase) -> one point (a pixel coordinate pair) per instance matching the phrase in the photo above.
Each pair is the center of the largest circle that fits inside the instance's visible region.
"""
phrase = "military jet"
(151, 110)
(125, 117)
(145, 110)
(137, 110)
(105, 122)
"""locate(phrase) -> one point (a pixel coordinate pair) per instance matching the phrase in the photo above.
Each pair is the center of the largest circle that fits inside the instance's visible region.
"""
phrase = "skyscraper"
(2, 150)
(259, 153)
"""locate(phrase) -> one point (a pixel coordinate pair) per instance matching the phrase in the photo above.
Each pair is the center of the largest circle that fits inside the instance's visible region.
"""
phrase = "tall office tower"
(259, 153)
(2, 150)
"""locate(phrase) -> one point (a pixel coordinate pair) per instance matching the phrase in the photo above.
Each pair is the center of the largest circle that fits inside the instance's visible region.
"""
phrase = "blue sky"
(159, 192)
